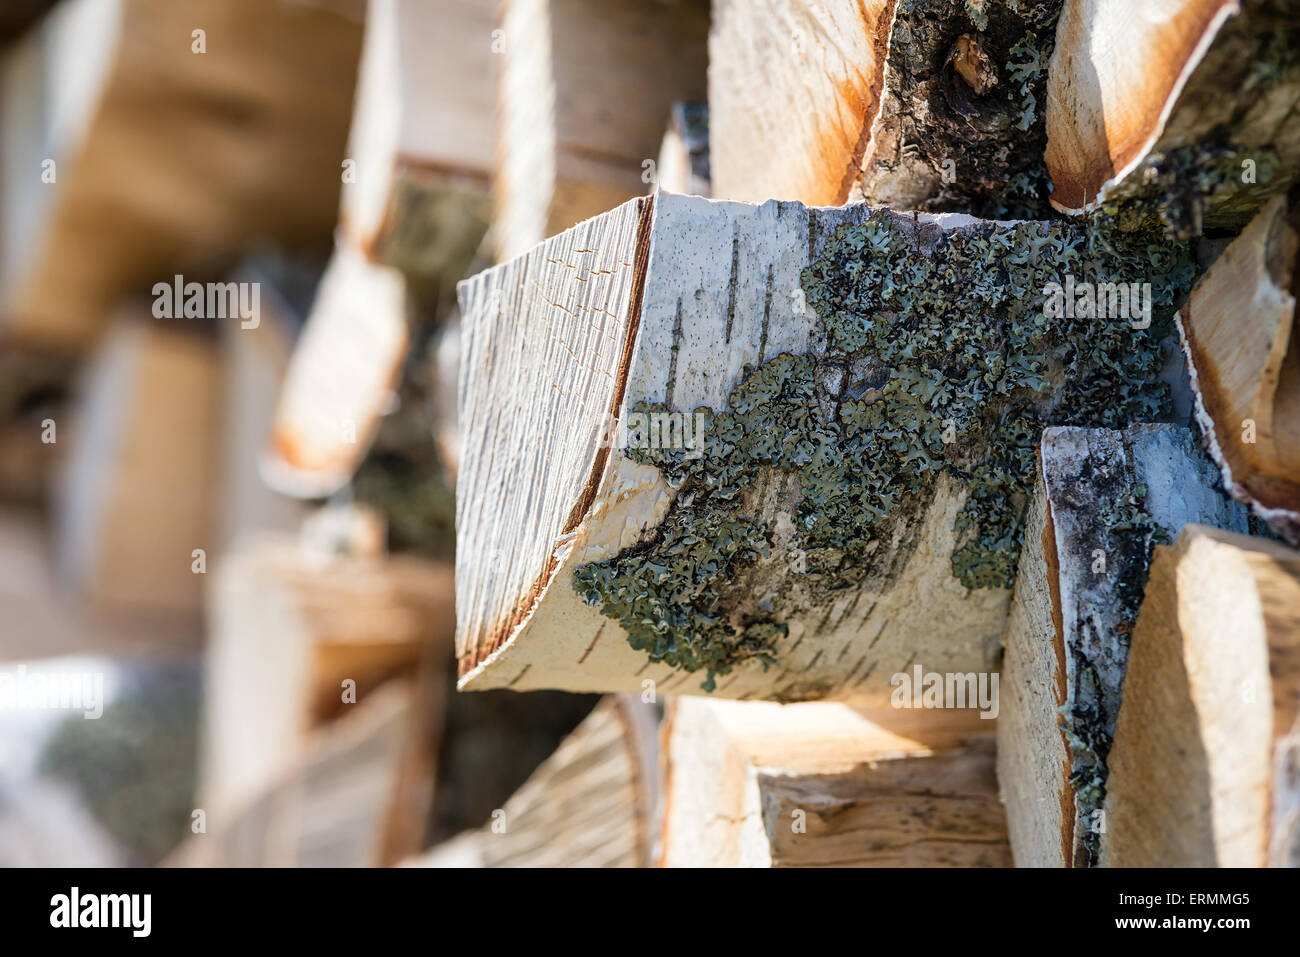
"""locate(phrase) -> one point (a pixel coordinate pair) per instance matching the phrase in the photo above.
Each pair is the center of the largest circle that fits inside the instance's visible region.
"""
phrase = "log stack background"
(648, 440)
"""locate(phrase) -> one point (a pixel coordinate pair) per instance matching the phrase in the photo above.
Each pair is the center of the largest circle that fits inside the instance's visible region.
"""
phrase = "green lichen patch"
(938, 358)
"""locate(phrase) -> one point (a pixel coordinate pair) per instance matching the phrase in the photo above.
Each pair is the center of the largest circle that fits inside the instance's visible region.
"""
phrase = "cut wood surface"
(1155, 101)
(137, 200)
(1203, 772)
(585, 88)
(1102, 498)
(286, 627)
(1243, 349)
(934, 104)
(757, 784)
(579, 360)
(592, 803)
(137, 487)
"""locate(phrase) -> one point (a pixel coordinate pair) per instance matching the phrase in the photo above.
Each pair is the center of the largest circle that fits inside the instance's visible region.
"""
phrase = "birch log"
(585, 88)
(1181, 109)
(609, 509)
(935, 104)
(756, 784)
(1102, 498)
(1243, 351)
(126, 201)
(413, 212)
(1205, 770)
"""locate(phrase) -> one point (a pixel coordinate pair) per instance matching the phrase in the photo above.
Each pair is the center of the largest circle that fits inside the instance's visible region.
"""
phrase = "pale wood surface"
(1199, 770)
(1069, 612)
(736, 772)
(586, 86)
(1239, 334)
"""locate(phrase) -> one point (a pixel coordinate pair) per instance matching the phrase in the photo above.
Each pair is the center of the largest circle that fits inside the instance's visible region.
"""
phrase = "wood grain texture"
(589, 804)
(876, 788)
(794, 93)
(555, 346)
(1239, 333)
(586, 87)
(1131, 81)
(1067, 643)
(1202, 770)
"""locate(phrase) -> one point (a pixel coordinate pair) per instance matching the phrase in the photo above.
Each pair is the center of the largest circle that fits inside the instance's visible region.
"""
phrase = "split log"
(413, 213)
(1102, 498)
(934, 104)
(1182, 111)
(592, 803)
(1205, 770)
(756, 784)
(1242, 344)
(344, 802)
(704, 437)
(683, 165)
(137, 484)
(585, 87)
(135, 201)
(287, 628)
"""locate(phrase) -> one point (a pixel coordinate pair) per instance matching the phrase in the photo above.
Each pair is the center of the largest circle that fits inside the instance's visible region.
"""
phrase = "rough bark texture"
(848, 500)
(929, 104)
(1103, 498)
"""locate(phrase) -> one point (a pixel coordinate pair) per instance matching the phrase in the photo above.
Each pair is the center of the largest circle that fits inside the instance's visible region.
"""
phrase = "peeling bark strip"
(1183, 112)
(586, 86)
(755, 784)
(1102, 499)
(868, 449)
(1243, 348)
(926, 104)
(1203, 771)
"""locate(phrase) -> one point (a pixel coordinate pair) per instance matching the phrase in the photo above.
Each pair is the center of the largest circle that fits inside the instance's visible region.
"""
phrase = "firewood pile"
(665, 433)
